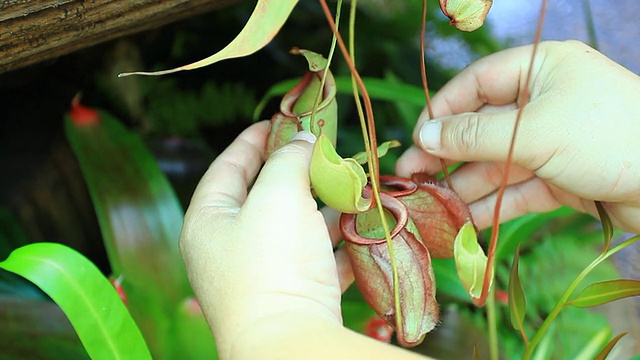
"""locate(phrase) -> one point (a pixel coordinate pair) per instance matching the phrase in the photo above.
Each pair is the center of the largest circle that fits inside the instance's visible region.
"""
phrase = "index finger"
(226, 182)
(497, 79)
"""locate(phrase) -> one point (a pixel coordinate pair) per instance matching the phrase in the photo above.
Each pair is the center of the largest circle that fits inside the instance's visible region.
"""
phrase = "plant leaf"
(36, 329)
(192, 334)
(383, 149)
(607, 349)
(517, 300)
(266, 20)
(93, 307)
(606, 291)
(523, 228)
(140, 219)
(607, 227)
(447, 280)
(379, 89)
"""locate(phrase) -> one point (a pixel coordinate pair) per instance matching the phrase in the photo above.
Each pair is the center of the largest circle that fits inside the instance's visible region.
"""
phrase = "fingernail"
(430, 135)
(305, 136)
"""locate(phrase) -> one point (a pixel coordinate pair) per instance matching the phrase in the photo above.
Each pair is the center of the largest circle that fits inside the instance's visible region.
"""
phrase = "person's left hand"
(255, 254)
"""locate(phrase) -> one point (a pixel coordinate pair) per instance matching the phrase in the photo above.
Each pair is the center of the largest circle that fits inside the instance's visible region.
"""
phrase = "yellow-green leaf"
(606, 291)
(607, 349)
(266, 20)
(517, 301)
(383, 149)
(338, 182)
(471, 260)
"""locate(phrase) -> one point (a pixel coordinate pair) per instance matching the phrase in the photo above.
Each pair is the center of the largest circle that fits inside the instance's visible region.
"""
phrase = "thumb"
(470, 136)
(285, 174)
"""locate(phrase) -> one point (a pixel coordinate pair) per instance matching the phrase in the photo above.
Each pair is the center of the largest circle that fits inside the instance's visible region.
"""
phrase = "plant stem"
(318, 98)
(524, 99)
(528, 351)
(425, 84)
(492, 322)
(374, 183)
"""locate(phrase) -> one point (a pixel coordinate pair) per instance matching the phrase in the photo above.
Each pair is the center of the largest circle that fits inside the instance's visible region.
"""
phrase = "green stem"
(528, 351)
(316, 103)
(372, 161)
(591, 29)
(492, 322)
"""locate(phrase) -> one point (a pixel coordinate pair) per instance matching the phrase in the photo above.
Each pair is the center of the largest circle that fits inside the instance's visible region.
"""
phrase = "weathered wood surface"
(36, 30)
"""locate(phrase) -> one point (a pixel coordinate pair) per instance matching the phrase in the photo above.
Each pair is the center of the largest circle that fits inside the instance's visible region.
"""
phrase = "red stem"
(375, 172)
(425, 84)
(507, 166)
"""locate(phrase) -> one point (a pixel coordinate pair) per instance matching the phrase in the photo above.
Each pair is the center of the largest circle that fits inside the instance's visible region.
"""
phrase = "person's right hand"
(578, 140)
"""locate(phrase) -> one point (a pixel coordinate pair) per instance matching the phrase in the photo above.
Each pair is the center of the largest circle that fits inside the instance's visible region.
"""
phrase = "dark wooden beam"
(36, 30)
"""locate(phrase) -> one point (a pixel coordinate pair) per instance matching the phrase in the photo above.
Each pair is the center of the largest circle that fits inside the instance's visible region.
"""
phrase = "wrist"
(254, 319)
(282, 336)
(301, 335)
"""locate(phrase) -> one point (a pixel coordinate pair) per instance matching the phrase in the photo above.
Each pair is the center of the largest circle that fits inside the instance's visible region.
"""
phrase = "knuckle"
(468, 134)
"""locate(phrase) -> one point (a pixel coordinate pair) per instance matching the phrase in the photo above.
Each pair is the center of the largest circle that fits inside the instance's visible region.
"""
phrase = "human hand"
(578, 139)
(263, 253)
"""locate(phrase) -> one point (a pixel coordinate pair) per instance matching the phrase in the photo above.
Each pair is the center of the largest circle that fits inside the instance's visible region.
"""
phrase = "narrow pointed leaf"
(447, 280)
(607, 291)
(93, 307)
(517, 301)
(263, 25)
(476, 353)
(523, 228)
(193, 338)
(140, 220)
(383, 149)
(379, 89)
(607, 227)
(338, 182)
(607, 349)
(36, 329)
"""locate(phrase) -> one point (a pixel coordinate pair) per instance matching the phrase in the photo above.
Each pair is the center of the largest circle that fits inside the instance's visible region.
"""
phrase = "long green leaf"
(447, 280)
(606, 291)
(607, 349)
(140, 219)
(93, 307)
(263, 25)
(593, 346)
(517, 300)
(522, 228)
(379, 89)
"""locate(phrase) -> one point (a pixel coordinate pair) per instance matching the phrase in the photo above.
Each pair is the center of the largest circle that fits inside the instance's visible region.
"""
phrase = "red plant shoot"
(82, 115)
